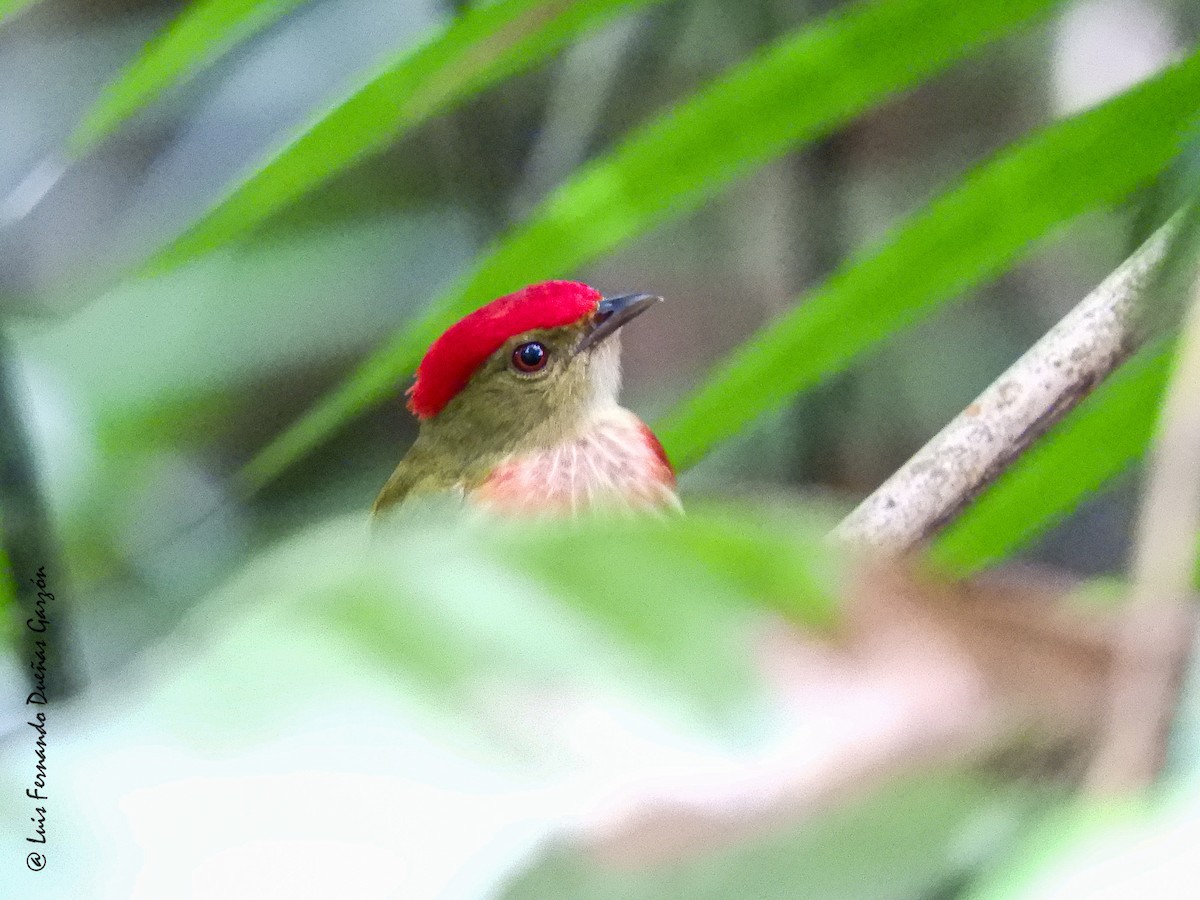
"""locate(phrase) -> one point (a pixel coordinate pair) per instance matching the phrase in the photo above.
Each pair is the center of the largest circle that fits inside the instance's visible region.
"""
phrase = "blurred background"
(252, 697)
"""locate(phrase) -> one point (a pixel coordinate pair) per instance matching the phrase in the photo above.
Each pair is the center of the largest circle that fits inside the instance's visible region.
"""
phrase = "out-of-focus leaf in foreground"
(903, 842)
(970, 233)
(1097, 441)
(484, 45)
(202, 34)
(448, 603)
(645, 572)
(1124, 847)
(796, 90)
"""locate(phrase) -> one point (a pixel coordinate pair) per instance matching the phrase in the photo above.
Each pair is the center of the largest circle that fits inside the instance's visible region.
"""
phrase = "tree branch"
(1020, 406)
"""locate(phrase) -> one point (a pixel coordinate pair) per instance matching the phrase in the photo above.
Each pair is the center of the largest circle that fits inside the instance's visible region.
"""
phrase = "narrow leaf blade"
(204, 33)
(971, 233)
(797, 90)
(482, 46)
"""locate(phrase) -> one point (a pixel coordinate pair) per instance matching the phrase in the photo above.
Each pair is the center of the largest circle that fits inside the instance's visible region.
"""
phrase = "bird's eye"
(531, 357)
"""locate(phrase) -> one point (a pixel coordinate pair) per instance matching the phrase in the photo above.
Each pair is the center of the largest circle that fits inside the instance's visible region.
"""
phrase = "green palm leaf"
(482, 46)
(200, 36)
(974, 231)
(800, 88)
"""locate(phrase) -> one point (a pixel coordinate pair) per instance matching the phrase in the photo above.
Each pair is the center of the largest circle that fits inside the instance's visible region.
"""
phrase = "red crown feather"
(453, 358)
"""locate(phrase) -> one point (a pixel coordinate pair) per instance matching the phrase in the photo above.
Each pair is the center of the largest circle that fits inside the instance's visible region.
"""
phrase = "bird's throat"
(614, 461)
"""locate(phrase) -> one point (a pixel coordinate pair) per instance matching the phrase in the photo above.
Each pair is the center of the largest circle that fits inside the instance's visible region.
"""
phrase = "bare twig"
(1157, 634)
(1036, 391)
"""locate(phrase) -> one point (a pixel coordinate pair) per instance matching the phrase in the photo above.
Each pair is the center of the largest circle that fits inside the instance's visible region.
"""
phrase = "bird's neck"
(611, 460)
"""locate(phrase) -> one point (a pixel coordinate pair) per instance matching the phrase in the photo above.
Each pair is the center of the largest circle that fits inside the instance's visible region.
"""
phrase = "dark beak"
(612, 313)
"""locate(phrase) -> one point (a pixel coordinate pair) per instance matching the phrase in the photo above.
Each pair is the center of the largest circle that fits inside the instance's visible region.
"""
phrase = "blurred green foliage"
(798, 89)
(675, 599)
(9, 631)
(9, 8)
(601, 601)
(200, 36)
(487, 43)
(916, 839)
(972, 231)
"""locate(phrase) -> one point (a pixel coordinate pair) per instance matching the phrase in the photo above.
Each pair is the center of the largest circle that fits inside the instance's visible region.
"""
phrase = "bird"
(518, 412)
